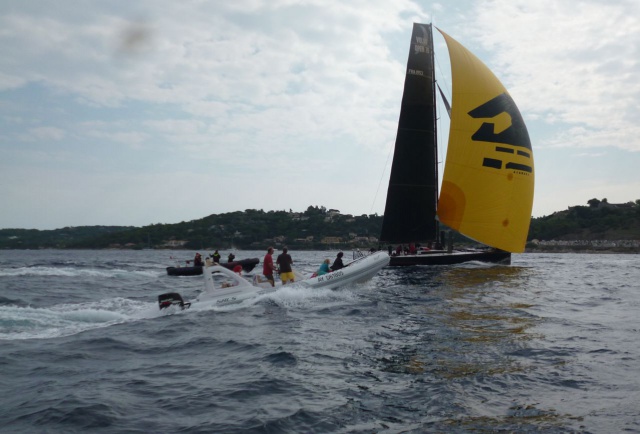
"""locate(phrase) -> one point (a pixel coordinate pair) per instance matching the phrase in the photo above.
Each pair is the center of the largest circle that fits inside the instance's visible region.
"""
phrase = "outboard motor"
(172, 299)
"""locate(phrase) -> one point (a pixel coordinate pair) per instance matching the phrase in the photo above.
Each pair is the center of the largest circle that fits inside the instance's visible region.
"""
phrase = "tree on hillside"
(315, 210)
(593, 203)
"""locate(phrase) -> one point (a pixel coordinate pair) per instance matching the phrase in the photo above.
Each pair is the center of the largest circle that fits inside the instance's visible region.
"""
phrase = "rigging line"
(381, 177)
(442, 75)
(448, 89)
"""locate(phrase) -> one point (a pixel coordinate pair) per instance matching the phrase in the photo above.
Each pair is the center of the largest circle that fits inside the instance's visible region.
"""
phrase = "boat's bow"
(358, 271)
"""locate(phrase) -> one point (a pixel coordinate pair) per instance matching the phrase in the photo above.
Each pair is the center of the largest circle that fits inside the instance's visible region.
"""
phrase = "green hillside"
(57, 238)
(315, 228)
(598, 220)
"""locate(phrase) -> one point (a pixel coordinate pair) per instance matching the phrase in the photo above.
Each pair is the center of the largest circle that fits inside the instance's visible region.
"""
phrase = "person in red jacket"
(267, 266)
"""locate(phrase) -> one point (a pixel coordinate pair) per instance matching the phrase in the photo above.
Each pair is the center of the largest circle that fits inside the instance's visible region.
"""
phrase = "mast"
(412, 195)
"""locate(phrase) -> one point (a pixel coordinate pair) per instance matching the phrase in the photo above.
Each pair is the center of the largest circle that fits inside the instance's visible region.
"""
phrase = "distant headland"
(598, 226)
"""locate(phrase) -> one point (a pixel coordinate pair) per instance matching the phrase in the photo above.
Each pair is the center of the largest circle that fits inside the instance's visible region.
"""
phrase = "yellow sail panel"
(488, 180)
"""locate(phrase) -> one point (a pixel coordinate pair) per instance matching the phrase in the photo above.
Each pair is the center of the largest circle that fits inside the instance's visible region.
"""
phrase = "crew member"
(337, 264)
(267, 266)
(284, 262)
(324, 267)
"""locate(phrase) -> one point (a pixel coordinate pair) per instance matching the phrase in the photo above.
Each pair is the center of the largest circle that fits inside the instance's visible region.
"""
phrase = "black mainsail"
(412, 196)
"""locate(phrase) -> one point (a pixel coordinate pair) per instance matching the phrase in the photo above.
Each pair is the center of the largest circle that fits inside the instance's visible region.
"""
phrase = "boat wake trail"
(19, 322)
(26, 322)
(46, 271)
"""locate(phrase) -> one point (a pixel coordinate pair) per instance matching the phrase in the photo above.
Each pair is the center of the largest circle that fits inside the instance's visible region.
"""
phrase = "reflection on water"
(520, 418)
(476, 322)
(472, 277)
(466, 328)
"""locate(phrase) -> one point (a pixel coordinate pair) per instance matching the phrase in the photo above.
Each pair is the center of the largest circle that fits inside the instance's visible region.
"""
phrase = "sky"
(157, 111)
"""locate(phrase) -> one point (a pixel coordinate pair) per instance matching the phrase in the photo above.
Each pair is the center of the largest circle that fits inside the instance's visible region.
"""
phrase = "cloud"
(45, 133)
(281, 103)
(571, 64)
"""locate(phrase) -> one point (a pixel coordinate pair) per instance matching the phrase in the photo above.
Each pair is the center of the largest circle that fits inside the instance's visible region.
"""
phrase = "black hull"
(456, 257)
(246, 264)
(184, 271)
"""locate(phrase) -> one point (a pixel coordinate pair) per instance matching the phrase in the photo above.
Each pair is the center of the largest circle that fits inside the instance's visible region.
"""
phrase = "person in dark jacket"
(285, 262)
(337, 264)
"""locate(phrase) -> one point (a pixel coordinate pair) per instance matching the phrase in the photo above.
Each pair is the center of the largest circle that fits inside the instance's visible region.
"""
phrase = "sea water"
(548, 344)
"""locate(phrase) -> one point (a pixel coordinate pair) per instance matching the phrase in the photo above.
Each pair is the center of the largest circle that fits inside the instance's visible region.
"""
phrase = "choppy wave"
(295, 296)
(47, 271)
(544, 345)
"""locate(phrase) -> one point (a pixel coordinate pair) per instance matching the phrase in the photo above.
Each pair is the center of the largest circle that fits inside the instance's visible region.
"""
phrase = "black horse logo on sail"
(515, 135)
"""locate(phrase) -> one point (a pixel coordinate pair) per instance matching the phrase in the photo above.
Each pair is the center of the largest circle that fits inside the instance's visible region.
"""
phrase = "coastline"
(568, 249)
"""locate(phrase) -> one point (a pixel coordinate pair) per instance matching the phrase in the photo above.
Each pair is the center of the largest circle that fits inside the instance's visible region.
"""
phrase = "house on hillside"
(331, 240)
(175, 243)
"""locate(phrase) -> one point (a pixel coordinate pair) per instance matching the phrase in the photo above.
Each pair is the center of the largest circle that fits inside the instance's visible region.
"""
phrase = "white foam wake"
(68, 319)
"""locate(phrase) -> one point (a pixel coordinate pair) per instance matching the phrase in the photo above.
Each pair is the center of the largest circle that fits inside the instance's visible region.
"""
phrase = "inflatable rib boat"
(223, 286)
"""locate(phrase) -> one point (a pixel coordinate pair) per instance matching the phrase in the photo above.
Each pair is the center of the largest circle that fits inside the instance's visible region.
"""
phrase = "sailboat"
(488, 180)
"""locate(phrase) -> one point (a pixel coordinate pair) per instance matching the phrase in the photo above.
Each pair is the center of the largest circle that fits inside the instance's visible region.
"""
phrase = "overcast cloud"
(133, 113)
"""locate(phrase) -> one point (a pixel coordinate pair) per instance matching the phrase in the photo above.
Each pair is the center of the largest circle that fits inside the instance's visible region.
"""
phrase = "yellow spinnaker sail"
(488, 180)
